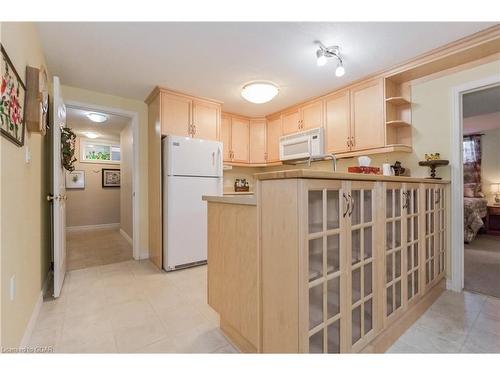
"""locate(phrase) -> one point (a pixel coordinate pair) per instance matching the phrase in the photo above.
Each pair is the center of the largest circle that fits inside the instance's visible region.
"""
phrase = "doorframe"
(456, 281)
(136, 194)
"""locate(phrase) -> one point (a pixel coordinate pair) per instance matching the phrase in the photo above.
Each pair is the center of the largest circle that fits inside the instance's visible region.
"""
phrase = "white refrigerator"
(191, 168)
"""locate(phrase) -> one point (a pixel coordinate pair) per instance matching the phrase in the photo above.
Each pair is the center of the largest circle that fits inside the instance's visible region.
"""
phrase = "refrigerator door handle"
(219, 161)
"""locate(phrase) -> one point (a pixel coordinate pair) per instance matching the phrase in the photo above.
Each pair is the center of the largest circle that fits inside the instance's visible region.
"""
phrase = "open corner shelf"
(398, 123)
(397, 100)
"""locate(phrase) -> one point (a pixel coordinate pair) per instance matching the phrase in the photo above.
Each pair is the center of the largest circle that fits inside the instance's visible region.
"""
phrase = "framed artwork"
(12, 97)
(110, 177)
(75, 180)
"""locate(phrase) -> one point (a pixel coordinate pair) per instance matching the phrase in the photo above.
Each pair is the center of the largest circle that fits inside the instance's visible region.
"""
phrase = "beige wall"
(126, 165)
(24, 209)
(490, 163)
(99, 99)
(93, 205)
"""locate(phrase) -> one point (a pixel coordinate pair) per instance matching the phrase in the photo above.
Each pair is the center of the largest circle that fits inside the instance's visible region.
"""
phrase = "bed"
(475, 210)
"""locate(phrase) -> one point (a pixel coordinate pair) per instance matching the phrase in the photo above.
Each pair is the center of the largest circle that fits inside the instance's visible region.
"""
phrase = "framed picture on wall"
(75, 180)
(110, 177)
(12, 97)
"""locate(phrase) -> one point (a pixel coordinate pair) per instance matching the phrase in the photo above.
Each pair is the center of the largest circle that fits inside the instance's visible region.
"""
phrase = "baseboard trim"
(93, 227)
(126, 236)
(28, 332)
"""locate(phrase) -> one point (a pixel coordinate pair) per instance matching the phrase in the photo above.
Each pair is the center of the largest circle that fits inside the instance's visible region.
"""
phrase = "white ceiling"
(76, 119)
(215, 59)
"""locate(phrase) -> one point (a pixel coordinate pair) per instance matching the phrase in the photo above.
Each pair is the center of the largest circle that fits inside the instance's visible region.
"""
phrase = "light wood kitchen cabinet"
(226, 136)
(274, 133)
(205, 120)
(338, 124)
(240, 142)
(258, 141)
(312, 115)
(291, 121)
(367, 115)
(175, 115)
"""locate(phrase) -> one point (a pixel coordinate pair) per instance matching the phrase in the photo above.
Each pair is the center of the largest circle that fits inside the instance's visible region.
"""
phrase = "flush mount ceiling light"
(97, 117)
(91, 135)
(259, 92)
(324, 53)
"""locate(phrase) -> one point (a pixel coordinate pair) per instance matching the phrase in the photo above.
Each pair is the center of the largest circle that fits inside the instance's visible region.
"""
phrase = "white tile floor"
(456, 323)
(131, 307)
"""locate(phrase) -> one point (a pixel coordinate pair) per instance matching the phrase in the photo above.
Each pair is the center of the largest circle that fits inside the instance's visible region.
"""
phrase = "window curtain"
(472, 159)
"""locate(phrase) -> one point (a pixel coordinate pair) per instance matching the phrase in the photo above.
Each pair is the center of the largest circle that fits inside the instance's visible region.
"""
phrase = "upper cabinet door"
(311, 115)
(338, 130)
(258, 141)
(206, 120)
(175, 115)
(367, 115)
(291, 122)
(226, 136)
(240, 139)
(273, 139)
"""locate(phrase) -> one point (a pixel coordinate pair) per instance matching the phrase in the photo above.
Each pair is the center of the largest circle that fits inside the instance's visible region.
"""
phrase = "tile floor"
(131, 307)
(95, 248)
(456, 323)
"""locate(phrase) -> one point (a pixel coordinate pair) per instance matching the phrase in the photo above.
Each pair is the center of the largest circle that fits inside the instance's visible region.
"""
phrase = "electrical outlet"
(13, 287)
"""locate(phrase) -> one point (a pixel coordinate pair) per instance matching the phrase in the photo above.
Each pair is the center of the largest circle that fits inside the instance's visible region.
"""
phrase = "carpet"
(482, 265)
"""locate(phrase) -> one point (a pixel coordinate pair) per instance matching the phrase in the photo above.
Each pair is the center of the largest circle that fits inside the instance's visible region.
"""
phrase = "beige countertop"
(246, 199)
(308, 173)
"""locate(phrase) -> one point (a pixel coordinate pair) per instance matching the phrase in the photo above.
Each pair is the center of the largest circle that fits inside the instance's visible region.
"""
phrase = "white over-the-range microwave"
(306, 144)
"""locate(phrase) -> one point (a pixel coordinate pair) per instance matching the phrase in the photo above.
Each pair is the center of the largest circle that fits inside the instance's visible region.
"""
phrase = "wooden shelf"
(397, 100)
(397, 123)
(381, 150)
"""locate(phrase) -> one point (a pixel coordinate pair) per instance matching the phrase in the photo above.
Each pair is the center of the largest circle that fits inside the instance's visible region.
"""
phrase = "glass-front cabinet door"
(360, 239)
(324, 261)
(394, 216)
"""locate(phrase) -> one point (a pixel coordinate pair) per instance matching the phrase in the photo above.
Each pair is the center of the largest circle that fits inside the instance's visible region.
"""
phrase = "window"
(99, 152)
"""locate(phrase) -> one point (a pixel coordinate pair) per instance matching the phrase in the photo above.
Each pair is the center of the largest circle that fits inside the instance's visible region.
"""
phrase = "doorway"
(475, 260)
(100, 194)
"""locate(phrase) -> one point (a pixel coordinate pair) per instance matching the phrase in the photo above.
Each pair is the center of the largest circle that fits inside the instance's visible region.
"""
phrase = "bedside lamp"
(496, 188)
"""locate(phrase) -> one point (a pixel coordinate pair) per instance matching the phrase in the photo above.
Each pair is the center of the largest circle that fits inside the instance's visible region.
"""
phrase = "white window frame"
(85, 142)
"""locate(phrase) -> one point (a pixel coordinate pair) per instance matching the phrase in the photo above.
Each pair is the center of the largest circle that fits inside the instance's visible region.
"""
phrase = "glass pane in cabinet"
(316, 342)
(409, 286)
(367, 241)
(432, 239)
(432, 269)
(431, 224)
(332, 253)
(415, 282)
(389, 300)
(415, 201)
(415, 255)
(367, 205)
(356, 284)
(315, 209)
(315, 305)
(408, 230)
(388, 268)
(367, 269)
(428, 248)
(356, 324)
(397, 203)
(415, 228)
(315, 258)
(356, 246)
(332, 209)
(397, 233)
(388, 236)
(409, 257)
(397, 264)
(333, 297)
(356, 207)
(368, 316)
(388, 203)
(333, 335)
(397, 292)
(427, 225)
(431, 199)
(427, 272)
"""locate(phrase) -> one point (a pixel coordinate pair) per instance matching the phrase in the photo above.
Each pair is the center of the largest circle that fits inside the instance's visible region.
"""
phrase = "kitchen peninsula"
(326, 262)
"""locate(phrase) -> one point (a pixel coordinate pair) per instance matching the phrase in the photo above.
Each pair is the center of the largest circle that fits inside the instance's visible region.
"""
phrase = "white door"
(185, 219)
(58, 191)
